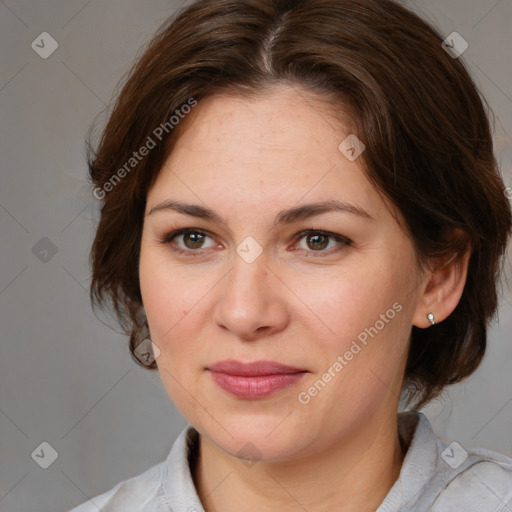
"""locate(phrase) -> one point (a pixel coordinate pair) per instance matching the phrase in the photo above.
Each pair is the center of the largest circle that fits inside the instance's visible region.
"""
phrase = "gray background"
(65, 377)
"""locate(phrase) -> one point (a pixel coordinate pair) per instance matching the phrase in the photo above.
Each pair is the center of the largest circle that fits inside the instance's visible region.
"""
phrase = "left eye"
(319, 240)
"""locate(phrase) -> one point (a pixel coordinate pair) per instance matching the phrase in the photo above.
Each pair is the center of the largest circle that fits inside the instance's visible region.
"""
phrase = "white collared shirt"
(436, 476)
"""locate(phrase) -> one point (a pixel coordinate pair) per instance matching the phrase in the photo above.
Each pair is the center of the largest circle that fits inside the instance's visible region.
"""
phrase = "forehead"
(280, 147)
(285, 119)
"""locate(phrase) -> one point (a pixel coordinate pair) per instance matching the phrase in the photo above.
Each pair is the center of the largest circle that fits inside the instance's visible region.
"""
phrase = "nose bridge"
(249, 274)
(249, 300)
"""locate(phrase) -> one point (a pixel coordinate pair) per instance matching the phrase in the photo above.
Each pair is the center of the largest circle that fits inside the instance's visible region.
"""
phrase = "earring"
(430, 317)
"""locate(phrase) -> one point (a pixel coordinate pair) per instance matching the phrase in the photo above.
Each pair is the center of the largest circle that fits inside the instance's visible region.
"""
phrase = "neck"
(353, 475)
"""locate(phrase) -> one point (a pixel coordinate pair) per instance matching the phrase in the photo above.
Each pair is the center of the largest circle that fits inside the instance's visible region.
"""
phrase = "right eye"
(192, 240)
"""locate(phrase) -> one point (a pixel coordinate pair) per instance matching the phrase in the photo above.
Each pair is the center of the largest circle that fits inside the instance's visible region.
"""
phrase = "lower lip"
(255, 386)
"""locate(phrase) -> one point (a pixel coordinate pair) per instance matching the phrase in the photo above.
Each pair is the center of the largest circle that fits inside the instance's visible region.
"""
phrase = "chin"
(255, 438)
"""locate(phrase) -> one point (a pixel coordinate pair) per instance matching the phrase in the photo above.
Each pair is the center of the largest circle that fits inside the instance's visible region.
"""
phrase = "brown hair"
(425, 126)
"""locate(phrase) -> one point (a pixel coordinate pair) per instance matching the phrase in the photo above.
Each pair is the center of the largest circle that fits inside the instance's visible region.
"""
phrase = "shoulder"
(139, 493)
(483, 484)
(444, 476)
(153, 490)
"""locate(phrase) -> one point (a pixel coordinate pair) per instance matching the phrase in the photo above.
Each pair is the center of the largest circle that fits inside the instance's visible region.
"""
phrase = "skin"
(248, 159)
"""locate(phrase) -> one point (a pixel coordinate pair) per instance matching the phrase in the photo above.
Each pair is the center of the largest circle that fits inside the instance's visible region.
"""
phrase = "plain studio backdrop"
(67, 379)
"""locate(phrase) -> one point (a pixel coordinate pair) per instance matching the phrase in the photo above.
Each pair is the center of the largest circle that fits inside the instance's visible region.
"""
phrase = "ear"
(442, 290)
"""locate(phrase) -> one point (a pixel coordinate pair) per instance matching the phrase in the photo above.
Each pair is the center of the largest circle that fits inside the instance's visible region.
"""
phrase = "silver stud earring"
(430, 317)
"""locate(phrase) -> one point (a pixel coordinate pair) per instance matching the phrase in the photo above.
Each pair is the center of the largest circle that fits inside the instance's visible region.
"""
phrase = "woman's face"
(265, 285)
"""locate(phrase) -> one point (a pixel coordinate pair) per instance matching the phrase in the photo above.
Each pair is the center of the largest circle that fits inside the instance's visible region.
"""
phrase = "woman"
(302, 223)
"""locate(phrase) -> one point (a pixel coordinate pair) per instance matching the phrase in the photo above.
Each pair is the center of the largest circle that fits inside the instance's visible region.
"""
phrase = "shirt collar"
(177, 479)
(420, 462)
(417, 469)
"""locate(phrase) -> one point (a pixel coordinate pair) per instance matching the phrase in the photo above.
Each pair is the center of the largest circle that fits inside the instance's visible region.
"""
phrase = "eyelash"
(344, 241)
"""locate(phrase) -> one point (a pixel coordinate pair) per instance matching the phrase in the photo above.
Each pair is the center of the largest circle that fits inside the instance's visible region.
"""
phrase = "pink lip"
(254, 380)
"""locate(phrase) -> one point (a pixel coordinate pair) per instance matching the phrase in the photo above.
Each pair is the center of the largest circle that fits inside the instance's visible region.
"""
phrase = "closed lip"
(253, 369)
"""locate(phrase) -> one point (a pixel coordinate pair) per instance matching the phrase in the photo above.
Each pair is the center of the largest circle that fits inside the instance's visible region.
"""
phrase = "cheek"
(366, 321)
(169, 297)
(344, 303)
(164, 300)
(169, 292)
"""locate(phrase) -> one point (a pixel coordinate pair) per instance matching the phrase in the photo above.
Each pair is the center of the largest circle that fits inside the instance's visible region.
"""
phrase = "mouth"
(256, 379)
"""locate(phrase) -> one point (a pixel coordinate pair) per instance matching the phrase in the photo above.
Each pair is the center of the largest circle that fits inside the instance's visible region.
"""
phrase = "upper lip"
(253, 368)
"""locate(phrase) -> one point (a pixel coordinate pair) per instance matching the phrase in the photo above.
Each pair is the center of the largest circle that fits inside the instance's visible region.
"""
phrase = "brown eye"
(193, 240)
(317, 242)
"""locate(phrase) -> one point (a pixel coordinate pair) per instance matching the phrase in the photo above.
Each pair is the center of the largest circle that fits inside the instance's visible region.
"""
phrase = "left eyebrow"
(283, 217)
(312, 209)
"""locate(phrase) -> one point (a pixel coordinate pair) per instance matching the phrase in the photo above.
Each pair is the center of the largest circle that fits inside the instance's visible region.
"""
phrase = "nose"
(251, 301)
